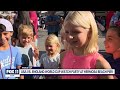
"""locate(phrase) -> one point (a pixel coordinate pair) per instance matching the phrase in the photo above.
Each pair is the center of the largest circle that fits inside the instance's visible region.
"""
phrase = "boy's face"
(112, 42)
(25, 40)
(5, 37)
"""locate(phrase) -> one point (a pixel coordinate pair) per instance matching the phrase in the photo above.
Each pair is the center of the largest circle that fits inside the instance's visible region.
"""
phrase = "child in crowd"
(10, 57)
(51, 59)
(112, 46)
(9, 18)
(81, 33)
(30, 53)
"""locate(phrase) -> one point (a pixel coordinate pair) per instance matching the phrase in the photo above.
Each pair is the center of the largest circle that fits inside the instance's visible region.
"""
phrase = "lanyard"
(10, 63)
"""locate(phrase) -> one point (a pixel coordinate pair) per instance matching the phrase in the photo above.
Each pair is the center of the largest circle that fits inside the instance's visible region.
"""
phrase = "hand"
(31, 21)
(36, 53)
(34, 38)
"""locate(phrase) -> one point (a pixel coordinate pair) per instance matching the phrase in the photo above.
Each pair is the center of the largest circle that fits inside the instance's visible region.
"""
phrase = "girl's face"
(5, 37)
(112, 41)
(51, 48)
(76, 36)
(25, 40)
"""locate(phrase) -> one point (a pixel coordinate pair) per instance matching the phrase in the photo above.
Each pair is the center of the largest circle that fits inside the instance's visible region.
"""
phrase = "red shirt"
(108, 18)
(33, 17)
(71, 61)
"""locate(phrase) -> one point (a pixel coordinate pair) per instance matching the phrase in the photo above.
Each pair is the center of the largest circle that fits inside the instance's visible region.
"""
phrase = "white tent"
(61, 13)
(44, 11)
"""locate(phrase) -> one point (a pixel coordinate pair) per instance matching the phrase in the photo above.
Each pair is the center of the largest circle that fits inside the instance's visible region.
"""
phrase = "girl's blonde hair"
(62, 33)
(63, 39)
(25, 30)
(53, 39)
(86, 20)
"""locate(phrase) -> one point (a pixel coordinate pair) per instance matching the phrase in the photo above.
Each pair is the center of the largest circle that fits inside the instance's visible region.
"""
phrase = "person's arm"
(103, 64)
(35, 51)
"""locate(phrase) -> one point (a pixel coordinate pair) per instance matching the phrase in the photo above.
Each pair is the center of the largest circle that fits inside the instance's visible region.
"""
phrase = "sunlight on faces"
(63, 40)
(25, 35)
(51, 48)
(25, 40)
(52, 44)
(76, 36)
(112, 41)
(81, 31)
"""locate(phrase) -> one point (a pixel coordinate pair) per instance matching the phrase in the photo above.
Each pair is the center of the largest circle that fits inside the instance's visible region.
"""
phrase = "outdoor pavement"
(43, 35)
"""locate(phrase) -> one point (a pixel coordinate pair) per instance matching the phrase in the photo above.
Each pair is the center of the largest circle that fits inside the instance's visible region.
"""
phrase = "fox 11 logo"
(12, 71)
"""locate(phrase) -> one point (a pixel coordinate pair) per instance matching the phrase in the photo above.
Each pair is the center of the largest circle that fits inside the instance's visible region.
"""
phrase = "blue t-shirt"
(115, 64)
(5, 60)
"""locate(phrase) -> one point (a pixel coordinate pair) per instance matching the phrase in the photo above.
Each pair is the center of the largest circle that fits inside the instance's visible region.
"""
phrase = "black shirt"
(115, 64)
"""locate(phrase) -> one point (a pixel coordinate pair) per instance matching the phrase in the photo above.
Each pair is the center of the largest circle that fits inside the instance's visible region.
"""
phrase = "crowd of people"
(79, 36)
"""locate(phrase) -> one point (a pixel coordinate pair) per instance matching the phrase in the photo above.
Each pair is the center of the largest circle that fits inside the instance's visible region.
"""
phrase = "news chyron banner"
(18, 72)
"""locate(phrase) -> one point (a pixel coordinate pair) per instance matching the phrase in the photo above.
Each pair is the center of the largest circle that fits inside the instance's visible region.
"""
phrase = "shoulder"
(43, 55)
(16, 48)
(102, 63)
(109, 57)
(57, 56)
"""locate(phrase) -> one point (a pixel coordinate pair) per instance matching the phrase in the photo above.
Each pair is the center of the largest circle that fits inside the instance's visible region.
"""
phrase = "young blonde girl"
(30, 53)
(81, 33)
(25, 35)
(51, 59)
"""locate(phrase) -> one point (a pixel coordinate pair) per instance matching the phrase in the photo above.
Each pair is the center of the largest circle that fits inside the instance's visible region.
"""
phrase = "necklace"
(10, 63)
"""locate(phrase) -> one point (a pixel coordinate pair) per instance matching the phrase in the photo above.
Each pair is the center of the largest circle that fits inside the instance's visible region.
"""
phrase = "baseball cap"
(7, 24)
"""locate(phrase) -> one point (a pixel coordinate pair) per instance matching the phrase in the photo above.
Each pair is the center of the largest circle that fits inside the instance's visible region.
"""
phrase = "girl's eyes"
(72, 32)
(29, 37)
(76, 32)
(48, 45)
(26, 37)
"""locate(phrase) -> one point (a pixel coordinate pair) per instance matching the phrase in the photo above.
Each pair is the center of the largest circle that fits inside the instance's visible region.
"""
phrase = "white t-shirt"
(27, 56)
(50, 63)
